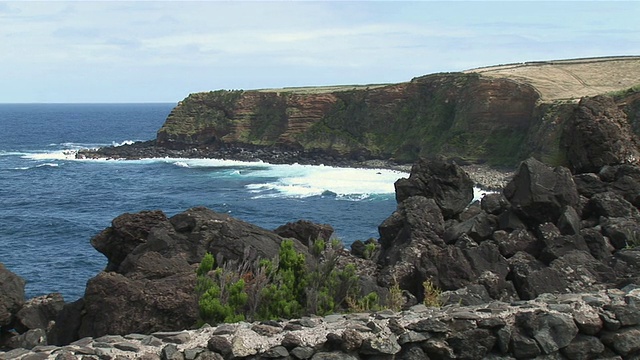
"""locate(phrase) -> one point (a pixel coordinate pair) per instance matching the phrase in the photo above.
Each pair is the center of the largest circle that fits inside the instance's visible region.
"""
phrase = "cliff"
(499, 115)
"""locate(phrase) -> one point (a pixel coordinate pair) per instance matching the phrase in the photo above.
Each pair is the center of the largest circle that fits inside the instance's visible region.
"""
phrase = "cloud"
(177, 47)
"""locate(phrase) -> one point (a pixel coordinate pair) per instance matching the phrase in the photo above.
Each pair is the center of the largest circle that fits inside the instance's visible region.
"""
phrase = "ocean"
(51, 204)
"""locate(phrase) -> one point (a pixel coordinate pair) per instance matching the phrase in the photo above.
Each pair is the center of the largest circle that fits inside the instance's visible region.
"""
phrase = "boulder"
(305, 231)
(599, 246)
(11, 295)
(494, 203)
(126, 232)
(583, 347)
(518, 240)
(445, 182)
(582, 272)
(478, 228)
(598, 134)
(625, 181)
(539, 193)
(138, 305)
(609, 204)
(622, 232)
(405, 236)
(552, 331)
(589, 184)
(532, 278)
(39, 311)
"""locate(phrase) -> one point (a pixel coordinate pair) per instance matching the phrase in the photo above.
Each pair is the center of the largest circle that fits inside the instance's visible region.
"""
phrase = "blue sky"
(149, 51)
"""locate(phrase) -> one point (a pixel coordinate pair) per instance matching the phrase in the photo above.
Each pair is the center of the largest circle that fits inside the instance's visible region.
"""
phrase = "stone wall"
(602, 325)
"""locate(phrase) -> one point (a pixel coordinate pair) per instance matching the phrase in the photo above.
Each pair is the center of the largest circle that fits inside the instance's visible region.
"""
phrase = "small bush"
(369, 302)
(431, 294)
(395, 300)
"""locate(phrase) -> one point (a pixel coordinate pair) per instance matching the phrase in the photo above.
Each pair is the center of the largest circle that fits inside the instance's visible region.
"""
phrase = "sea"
(52, 204)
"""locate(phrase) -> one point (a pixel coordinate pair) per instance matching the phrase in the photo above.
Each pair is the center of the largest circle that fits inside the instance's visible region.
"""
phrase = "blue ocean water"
(52, 204)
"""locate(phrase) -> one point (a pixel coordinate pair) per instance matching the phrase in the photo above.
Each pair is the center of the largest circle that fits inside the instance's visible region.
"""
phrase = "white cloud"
(174, 48)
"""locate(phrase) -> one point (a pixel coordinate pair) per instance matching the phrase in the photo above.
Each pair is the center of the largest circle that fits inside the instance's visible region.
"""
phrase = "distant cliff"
(498, 115)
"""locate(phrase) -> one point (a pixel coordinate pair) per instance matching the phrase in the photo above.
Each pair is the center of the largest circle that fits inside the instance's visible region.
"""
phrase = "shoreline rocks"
(483, 176)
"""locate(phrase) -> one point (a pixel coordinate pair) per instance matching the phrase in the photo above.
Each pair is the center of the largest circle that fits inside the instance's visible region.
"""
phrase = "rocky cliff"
(501, 115)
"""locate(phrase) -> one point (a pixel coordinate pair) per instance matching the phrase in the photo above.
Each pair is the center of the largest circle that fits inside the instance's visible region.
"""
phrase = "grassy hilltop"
(498, 114)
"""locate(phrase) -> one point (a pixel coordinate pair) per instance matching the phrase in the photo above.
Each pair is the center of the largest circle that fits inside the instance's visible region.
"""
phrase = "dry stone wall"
(602, 325)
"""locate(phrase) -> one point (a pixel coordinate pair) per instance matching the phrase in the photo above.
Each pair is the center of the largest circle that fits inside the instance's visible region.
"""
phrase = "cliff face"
(461, 115)
(474, 116)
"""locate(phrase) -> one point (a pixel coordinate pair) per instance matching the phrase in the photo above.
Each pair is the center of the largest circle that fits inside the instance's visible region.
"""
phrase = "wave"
(126, 142)
(479, 193)
(300, 181)
(51, 155)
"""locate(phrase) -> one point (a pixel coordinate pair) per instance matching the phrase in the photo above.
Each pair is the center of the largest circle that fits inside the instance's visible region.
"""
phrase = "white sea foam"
(479, 193)
(181, 164)
(298, 181)
(126, 142)
(52, 155)
(48, 165)
(306, 180)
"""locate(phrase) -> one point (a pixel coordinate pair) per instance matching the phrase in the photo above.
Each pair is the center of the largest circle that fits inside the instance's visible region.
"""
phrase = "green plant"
(207, 264)
(395, 300)
(218, 306)
(369, 250)
(634, 238)
(282, 297)
(431, 294)
(369, 302)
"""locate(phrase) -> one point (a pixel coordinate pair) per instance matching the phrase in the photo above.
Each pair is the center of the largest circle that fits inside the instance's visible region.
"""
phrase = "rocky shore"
(547, 268)
(484, 176)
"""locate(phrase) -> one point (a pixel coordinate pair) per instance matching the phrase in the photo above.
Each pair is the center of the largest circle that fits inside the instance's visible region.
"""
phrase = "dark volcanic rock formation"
(11, 296)
(446, 183)
(149, 282)
(546, 234)
(305, 231)
(599, 134)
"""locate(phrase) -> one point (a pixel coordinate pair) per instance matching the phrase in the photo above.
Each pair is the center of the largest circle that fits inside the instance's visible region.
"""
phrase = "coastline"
(484, 176)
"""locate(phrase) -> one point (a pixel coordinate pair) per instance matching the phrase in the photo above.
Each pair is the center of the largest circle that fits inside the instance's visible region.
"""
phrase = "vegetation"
(285, 287)
(431, 294)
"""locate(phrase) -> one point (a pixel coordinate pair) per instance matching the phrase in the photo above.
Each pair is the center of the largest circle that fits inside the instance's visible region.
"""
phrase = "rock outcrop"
(545, 234)
(148, 284)
(11, 296)
(600, 325)
(599, 134)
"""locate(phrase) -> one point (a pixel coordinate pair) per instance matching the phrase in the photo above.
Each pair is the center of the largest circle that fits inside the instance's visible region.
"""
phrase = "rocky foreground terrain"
(547, 268)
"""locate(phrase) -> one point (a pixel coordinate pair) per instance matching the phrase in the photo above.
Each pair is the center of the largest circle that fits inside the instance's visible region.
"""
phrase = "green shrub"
(285, 287)
(431, 294)
(207, 264)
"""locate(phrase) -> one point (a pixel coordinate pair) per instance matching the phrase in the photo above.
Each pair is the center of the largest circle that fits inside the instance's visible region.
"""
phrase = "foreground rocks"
(148, 284)
(602, 325)
(549, 231)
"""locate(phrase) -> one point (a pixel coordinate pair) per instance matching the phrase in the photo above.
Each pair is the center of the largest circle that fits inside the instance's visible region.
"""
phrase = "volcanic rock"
(11, 295)
(150, 277)
(540, 193)
(305, 231)
(598, 134)
(445, 182)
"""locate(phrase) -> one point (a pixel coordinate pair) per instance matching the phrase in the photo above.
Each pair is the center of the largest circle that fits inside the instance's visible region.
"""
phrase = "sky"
(152, 51)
